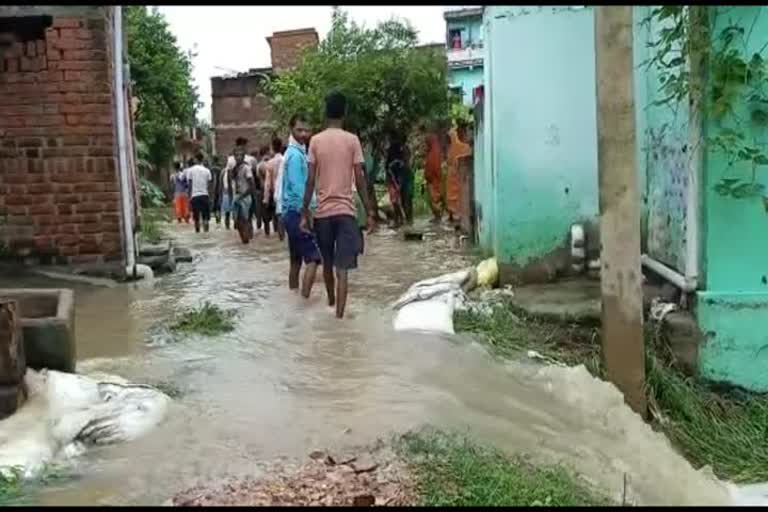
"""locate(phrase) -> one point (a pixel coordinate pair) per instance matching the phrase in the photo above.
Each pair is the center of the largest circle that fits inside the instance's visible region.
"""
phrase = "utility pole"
(621, 275)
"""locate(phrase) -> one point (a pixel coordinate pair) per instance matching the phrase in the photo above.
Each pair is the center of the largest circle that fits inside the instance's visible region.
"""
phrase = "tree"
(162, 81)
(391, 84)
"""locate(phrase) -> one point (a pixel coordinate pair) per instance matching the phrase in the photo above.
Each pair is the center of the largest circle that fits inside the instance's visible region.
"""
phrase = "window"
(454, 39)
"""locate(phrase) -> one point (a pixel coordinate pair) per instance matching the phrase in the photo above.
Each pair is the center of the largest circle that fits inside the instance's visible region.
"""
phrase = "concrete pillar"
(13, 365)
(621, 281)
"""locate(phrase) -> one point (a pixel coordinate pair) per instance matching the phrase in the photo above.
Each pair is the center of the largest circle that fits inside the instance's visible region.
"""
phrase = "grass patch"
(16, 490)
(725, 431)
(151, 230)
(454, 471)
(509, 334)
(208, 320)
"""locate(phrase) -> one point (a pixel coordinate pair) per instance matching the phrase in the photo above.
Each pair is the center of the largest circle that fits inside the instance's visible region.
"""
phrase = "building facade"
(536, 175)
(67, 189)
(464, 50)
(240, 106)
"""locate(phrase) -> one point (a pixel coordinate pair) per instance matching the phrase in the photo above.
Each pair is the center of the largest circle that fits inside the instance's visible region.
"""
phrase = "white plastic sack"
(433, 315)
(67, 413)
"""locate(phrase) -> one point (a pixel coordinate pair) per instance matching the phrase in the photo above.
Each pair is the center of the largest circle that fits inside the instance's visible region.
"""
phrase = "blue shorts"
(338, 237)
(226, 203)
(301, 246)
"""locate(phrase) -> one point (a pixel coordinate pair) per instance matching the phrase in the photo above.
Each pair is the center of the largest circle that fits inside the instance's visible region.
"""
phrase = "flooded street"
(292, 378)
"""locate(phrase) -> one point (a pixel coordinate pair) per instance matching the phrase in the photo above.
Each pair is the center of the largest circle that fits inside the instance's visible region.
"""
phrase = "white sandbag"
(457, 278)
(425, 293)
(433, 315)
(67, 413)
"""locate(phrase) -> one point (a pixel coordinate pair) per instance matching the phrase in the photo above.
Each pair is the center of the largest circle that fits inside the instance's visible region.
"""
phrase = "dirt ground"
(372, 476)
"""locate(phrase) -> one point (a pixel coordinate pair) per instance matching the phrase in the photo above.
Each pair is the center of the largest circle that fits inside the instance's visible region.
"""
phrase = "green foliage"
(726, 433)
(151, 195)
(461, 115)
(150, 228)
(208, 320)
(730, 82)
(455, 471)
(391, 84)
(17, 490)
(162, 81)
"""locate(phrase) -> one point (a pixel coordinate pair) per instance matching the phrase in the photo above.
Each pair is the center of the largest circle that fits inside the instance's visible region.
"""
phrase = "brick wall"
(239, 108)
(59, 194)
(287, 47)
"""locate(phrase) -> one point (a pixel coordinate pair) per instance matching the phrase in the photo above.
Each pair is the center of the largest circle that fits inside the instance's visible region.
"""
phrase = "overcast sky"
(232, 38)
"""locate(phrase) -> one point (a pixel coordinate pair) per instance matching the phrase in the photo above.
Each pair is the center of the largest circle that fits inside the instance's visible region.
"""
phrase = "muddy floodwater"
(292, 378)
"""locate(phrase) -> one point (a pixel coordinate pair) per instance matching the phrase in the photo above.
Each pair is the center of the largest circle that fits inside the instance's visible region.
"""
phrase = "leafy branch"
(716, 74)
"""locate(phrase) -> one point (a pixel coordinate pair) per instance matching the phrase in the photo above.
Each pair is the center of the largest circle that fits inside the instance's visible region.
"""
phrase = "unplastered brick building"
(61, 198)
(240, 106)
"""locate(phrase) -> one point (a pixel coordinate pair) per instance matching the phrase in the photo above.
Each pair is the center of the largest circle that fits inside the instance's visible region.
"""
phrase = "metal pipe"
(122, 156)
(684, 283)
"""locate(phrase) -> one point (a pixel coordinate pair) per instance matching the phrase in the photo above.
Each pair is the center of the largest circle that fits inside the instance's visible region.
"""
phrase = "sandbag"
(67, 413)
(488, 272)
(433, 315)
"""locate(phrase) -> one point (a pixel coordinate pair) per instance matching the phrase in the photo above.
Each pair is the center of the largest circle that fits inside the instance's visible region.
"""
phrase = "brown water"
(292, 378)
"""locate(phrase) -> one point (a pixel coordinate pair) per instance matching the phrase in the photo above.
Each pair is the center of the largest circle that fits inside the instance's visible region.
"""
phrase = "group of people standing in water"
(302, 190)
(316, 193)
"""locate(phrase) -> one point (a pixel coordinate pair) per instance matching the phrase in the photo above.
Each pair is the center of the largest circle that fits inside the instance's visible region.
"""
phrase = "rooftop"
(462, 11)
(258, 72)
(295, 32)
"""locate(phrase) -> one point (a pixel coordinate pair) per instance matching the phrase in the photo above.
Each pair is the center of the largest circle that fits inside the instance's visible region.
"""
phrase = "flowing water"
(292, 378)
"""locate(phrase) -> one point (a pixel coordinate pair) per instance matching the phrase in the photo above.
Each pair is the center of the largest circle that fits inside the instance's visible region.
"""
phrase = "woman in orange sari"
(457, 149)
(433, 176)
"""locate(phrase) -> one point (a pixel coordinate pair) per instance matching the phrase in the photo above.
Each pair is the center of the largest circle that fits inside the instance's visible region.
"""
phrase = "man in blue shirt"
(302, 245)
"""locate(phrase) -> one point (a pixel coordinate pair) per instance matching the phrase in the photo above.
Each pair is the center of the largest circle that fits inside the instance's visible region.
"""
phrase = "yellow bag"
(487, 272)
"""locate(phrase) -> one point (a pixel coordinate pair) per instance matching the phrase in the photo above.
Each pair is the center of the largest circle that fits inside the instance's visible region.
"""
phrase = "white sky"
(234, 37)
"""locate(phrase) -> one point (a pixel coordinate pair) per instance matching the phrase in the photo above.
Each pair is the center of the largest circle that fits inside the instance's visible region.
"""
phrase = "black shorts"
(338, 237)
(201, 208)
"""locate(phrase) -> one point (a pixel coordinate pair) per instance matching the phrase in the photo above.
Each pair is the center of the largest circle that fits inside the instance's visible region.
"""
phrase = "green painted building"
(536, 169)
(464, 49)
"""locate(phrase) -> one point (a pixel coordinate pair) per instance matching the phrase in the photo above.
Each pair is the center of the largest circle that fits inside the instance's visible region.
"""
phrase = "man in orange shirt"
(335, 170)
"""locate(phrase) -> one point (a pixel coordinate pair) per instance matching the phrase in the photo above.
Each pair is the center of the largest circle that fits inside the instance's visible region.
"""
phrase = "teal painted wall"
(468, 79)
(733, 308)
(542, 127)
(663, 158)
(483, 189)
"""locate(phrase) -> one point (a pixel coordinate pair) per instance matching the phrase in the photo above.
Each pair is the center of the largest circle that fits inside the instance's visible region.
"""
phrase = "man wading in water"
(335, 168)
(302, 245)
(226, 180)
(242, 186)
(199, 178)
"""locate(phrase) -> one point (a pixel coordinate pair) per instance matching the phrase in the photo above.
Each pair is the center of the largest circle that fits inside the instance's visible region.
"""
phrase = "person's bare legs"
(293, 275)
(341, 292)
(330, 286)
(310, 271)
